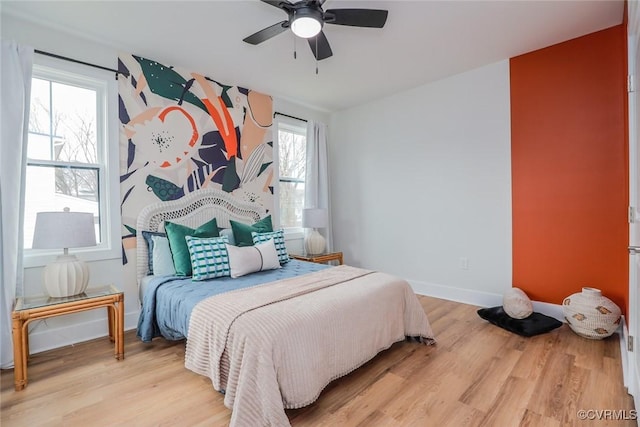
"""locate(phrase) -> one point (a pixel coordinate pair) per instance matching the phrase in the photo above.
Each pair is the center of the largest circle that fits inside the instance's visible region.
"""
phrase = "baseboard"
(50, 338)
(548, 309)
(630, 374)
(623, 334)
(632, 380)
(479, 298)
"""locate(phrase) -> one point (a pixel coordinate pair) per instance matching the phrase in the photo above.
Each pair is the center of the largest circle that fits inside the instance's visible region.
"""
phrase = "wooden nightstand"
(319, 258)
(28, 309)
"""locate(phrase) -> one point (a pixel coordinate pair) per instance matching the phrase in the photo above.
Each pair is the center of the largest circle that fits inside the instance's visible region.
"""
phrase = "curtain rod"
(53, 55)
(277, 113)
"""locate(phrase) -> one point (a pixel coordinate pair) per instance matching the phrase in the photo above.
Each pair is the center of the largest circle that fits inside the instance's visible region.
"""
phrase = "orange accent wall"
(569, 158)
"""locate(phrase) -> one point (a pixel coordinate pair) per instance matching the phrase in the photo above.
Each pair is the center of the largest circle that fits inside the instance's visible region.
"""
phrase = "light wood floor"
(477, 375)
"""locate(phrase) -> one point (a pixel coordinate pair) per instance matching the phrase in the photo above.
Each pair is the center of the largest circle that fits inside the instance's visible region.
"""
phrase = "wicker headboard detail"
(192, 210)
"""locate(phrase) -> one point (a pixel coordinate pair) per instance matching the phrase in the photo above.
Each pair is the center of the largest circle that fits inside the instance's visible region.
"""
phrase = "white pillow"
(162, 259)
(249, 259)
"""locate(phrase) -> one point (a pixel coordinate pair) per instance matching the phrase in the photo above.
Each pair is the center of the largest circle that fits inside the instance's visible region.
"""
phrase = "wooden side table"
(319, 258)
(28, 309)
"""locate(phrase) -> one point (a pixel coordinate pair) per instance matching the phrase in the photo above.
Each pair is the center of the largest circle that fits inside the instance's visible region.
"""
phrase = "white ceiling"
(422, 41)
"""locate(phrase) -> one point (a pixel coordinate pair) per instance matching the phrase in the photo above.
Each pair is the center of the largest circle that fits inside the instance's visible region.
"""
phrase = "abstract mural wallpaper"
(181, 131)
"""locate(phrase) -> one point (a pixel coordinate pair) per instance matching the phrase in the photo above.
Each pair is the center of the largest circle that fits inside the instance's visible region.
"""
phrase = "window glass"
(292, 145)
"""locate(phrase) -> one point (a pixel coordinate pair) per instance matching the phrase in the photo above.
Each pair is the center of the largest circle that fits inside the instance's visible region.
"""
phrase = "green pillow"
(177, 234)
(242, 232)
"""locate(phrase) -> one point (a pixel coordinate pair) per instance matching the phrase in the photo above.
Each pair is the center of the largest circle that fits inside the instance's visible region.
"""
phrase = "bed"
(270, 340)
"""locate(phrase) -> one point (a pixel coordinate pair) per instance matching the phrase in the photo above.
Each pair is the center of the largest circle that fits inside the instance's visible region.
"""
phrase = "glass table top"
(26, 303)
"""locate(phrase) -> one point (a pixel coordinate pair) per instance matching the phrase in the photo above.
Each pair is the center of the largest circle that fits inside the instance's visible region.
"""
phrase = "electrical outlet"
(464, 263)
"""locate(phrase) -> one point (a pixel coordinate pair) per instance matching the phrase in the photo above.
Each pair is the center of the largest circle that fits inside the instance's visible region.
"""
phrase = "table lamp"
(314, 218)
(67, 275)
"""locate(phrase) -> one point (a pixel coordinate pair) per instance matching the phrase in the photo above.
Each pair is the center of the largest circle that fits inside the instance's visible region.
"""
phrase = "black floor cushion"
(535, 324)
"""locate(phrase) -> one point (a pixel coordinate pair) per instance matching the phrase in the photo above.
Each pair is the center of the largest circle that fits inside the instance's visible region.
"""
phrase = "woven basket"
(591, 315)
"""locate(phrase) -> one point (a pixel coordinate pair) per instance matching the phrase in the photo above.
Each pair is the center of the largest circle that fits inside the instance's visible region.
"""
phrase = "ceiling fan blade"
(266, 33)
(277, 3)
(323, 50)
(372, 18)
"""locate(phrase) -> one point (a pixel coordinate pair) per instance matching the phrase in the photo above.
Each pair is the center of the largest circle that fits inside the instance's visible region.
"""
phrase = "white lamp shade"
(67, 275)
(314, 218)
(57, 230)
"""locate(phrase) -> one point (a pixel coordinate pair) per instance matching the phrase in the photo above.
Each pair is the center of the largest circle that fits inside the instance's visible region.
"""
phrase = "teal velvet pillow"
(177, 234)
(242, 232)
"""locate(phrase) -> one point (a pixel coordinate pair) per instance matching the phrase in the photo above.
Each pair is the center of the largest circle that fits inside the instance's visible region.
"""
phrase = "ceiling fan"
(306, 19)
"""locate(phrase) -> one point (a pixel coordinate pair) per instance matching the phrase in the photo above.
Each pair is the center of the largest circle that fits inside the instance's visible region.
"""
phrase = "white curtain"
(17, 63)
(316, 186)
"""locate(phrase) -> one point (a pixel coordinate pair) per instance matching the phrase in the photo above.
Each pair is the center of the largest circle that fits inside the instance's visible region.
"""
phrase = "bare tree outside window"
(70, 135)
(292, 142)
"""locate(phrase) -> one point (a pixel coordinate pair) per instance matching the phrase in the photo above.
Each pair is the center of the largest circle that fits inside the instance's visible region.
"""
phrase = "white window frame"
(290, 232)
(105, 84)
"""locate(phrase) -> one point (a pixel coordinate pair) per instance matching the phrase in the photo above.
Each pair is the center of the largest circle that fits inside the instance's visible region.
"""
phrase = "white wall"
(421, 179)
(59, 331)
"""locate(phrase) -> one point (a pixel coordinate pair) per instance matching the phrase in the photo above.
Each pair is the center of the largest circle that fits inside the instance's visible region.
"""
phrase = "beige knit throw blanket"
(278, 345)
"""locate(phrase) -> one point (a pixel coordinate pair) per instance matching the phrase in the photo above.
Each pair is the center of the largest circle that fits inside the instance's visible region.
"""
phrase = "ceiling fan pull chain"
(295, 53)
(316, 55)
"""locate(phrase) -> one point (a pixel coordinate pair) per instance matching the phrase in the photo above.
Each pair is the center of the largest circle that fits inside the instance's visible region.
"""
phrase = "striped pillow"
(278, 240)
(209, 257)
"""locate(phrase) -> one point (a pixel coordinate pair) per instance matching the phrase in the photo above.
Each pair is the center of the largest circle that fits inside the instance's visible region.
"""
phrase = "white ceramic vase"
(65, 277)
(590, 314)
(517, 304)
(315, 243)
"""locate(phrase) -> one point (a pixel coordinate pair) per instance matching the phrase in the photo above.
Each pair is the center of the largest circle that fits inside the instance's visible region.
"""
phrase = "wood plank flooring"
(477, 375)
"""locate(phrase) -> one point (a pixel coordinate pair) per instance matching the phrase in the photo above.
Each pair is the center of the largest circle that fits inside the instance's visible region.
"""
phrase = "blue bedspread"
(169, 300)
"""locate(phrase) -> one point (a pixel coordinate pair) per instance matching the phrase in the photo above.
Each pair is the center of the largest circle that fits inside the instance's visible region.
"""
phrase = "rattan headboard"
(192, 210)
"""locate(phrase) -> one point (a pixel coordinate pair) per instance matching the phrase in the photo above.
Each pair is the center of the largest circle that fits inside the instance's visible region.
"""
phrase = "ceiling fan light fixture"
(306, 23)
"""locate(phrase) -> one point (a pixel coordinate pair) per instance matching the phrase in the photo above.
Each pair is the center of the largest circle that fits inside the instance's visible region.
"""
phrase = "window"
(292, 146)
(67, 150)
